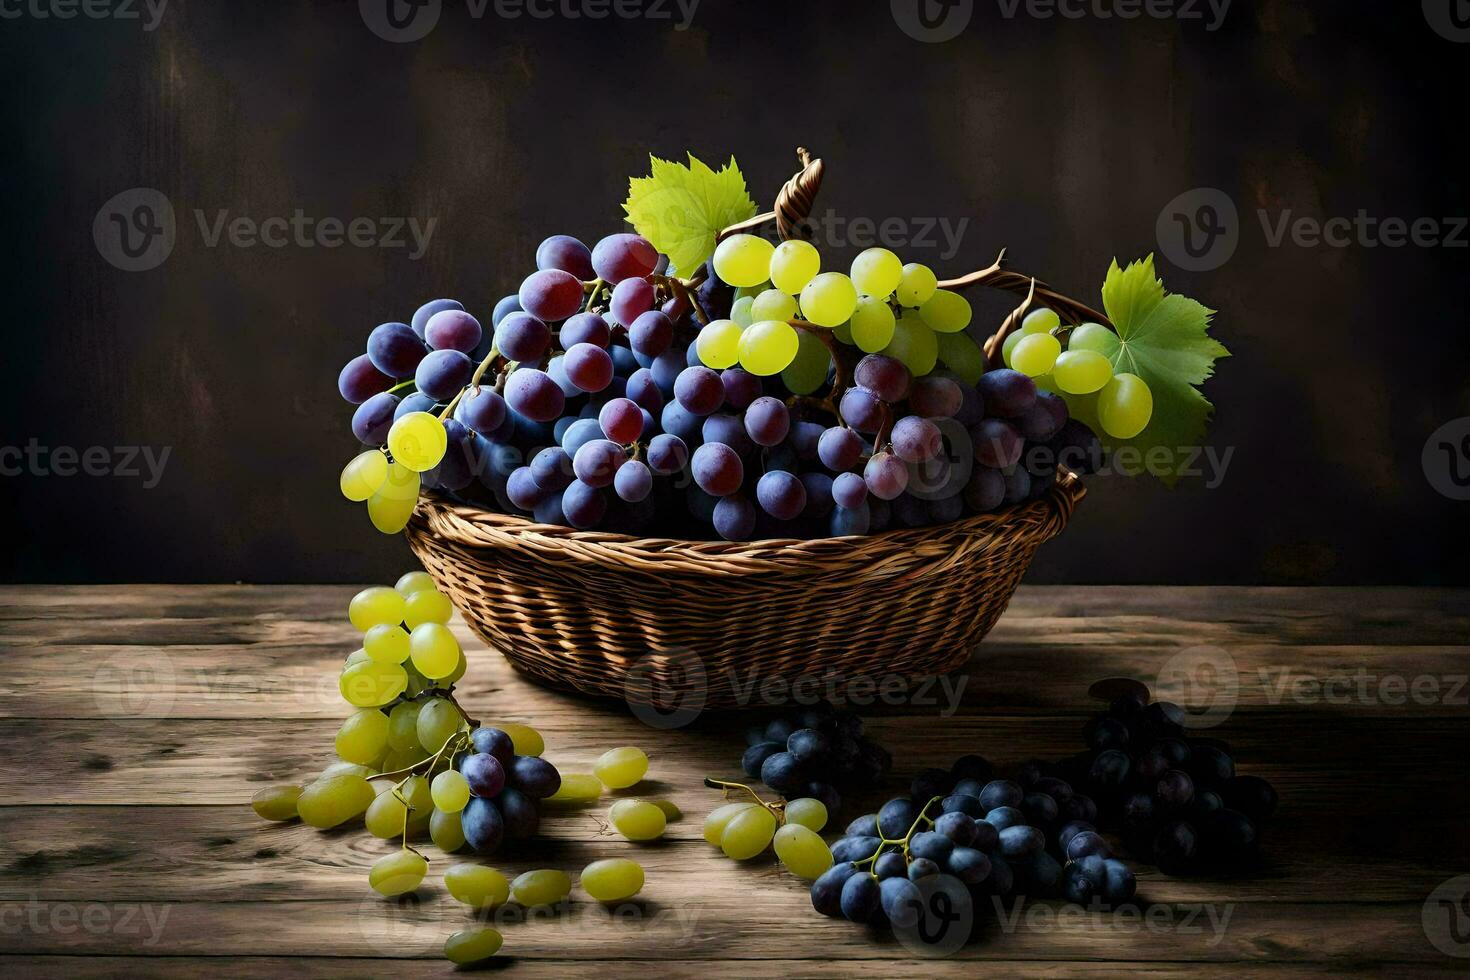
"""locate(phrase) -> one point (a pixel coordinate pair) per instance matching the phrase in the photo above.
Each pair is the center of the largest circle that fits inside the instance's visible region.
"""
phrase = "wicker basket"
(659, 621)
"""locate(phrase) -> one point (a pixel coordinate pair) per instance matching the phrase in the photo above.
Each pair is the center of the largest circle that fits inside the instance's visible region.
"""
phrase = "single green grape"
(523, 738)
(804, 853)
(751, 292)
(843, 332)
(435, 651)
(476, 885)
(740, 313)
(1125, 406)
(576, 787)
(371, 684)
(437, 721)
(1036, 354)
(546, 886)
(329, 802)
(914, 344)
(1040, 320)
(386, 644)
(773, 305)
(375, 606)
(719, 818)
(454, 675)
(345, 768)
(612, 880)
(718, 344)
(637, 820)
(960, 353)
(355, 657)
(1092, 336)
(363, 475)
(917, 285)
(411, 582)
(1009, 345)
(384, 817)
(363, 736)
(808, 369)
(807, 812)
(621, 767)
(794, 264)
(877, 272)
(427, 606)
(872, 324)
(403, 725)
(418, 441)
(1081, 372)
(829, 299)
(393, 504)
(946, 311)
(670, 808)
(767, 347)
(743, 260)
(450, 790)
(446, 831)
(748, 833)
(398, 873)
(472, 945)
(276, 802)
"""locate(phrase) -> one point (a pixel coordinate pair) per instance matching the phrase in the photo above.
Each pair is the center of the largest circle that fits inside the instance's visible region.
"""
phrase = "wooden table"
(139, 720)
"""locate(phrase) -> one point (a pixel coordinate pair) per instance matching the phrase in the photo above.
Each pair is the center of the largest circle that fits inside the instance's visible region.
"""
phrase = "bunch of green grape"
(1121, 403)
(745, 829)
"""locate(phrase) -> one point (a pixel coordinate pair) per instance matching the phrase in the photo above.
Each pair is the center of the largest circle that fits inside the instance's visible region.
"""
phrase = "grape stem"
(921, 820)
(778, 808)
(680, 289)
(458, 740)
(410, 383)
(490, 359)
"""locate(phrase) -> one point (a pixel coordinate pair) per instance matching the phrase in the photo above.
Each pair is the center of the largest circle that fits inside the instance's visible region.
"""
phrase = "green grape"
(1125, 406)
(1092, 336)
(917, 285)
(1009, 344)
(720, 817)
(371, 684)
(328, 802)
(914, 344)
(438, 720)
(946, 312)
(767, 347)
(960, 353)
(793, 265)
(349, 769)
(427, 606)
(748, 833)
(390, 508)
(418, 440)
(804, 853)
(450, 791)
(363, 736)
(670, 808)
(355, 657)
(807, 812)
(1048, 382)
(740, 313)
(446, 831)
(375, 606)
(386, 644)
(411, 582)
(435, 650)
(1081, 372)
(877, 272)
(403, 726)
(829, 299)
(743, 260)
(773, 305)
(637, 820)
(398, 873)
(385, 815)
(458, 671)
(363, 475)
(612, 880)
(417, 682)
(420, 799)
(1040, 321)
(400, 759)
(718, 344)
(477, 886)
(872, 324)
(577, 787)
(276, 802)
(843, 332)
(472, 945)
(808, 370)
(621, 767)
(751, 292)
(523, 738)
(1036, 354)
(543, 887)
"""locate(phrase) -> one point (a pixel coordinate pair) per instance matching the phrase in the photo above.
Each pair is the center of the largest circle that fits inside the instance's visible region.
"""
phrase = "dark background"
(1061, 140)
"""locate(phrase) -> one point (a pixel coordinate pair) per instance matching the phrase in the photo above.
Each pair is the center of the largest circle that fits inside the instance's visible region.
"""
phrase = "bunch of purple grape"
(505, 790)
(817, 753)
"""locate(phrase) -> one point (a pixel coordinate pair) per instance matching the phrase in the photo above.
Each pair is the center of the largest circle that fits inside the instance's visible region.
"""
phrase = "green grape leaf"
(680, 209)
(1164, 339)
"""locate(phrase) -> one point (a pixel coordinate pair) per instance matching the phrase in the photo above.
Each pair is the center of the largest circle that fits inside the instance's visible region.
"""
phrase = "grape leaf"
(680, 209)
(1164, 339)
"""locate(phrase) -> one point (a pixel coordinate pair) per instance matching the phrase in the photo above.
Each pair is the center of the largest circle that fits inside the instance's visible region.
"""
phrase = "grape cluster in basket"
(763, 397)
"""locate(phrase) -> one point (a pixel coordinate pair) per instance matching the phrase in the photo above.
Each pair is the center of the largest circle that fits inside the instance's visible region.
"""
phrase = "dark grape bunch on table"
(506, 790)
(816, 752)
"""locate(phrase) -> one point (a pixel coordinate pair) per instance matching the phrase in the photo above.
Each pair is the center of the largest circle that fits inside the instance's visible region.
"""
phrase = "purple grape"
(886, 476)
(585, 328)
(522, 337)
(457, 468)
(420, 320)
(651, 334)
(805, 437)
(699, 390)
(360, 380)
(579, 433)
(728, 429)
(915, 439)
(415, 402)
(442, 373)
(484, 827)
(839, 449)
(551, 468)
(781, 495)
(691, 356)
(678, 422)
(767, 421)
(1045, 418)
(986, 490)
(373, 419)
(633, 481)
(886, 377)
(484, 773)
(631, 298)
(454, 330)
(667, 454)
(533, 394)
(621, 420)
(482, 409)
(666, 369)
(597, 462)
(1018, 484)
(535, 777)
(996, 443)
(518, 809)
(625, 362)
(395, 349)
(936, 397)
(851, 520)
(861, 409)
(588, 366)
(557, 369)
(1008, 394)
(1077, 448)
(972, 406)
(819, 500)
(643, 390)
(565, 253)
(624, 256)
(583, 506)
(522, 489)
(504, 308)
(734, 518)
(942, 510)
(551, 295)
(717, 469)
(741, 387)
(849, 490)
